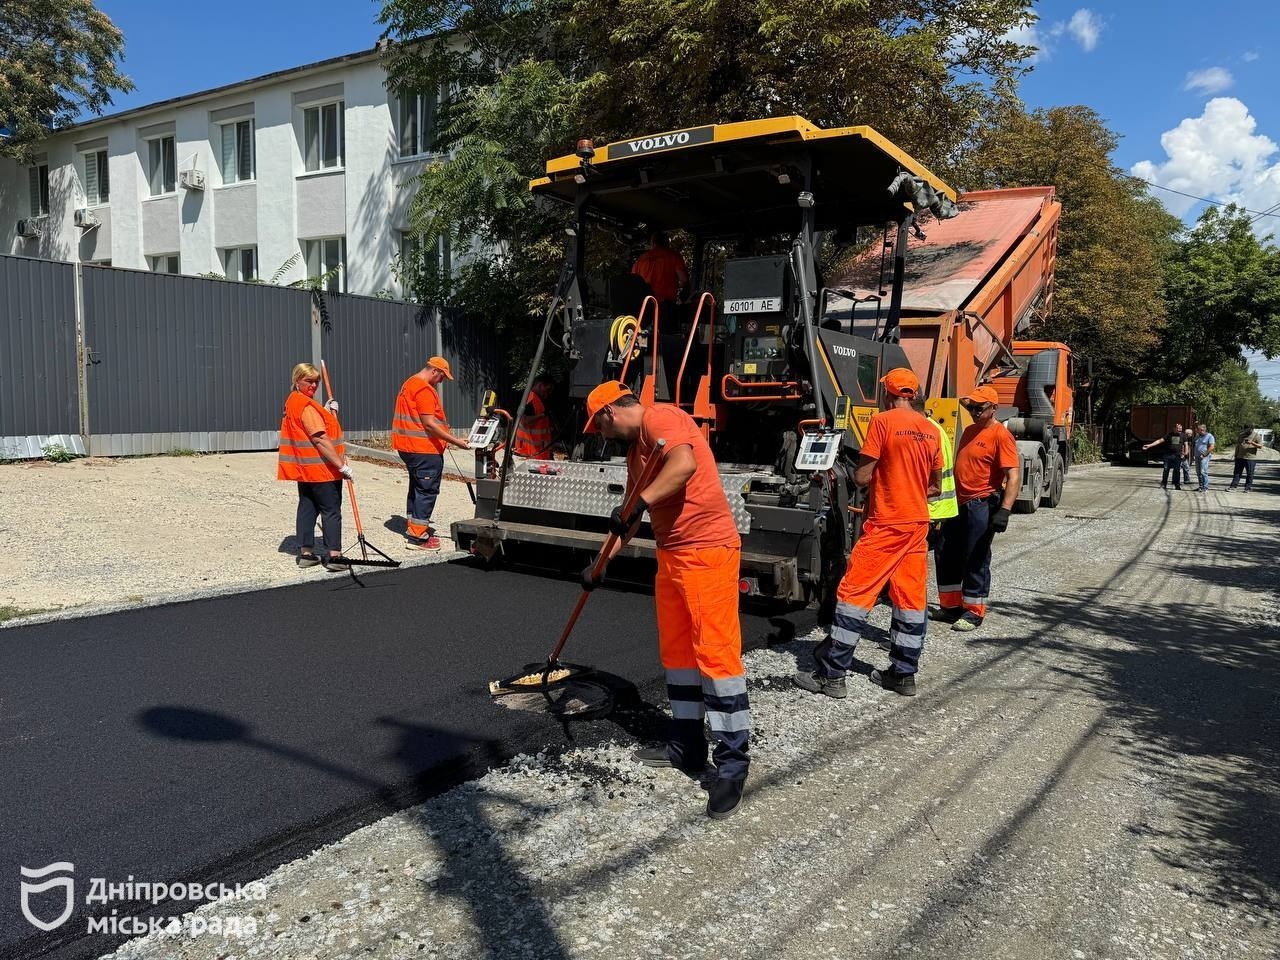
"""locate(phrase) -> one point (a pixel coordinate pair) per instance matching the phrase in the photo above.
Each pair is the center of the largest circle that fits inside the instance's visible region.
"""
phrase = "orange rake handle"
(602, 558)
(351, 485)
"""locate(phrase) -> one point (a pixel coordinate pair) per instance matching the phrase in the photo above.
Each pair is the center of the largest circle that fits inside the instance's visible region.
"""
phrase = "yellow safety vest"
(944, 505)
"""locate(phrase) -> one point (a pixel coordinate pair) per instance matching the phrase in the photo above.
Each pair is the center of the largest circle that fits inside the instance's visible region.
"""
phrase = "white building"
(314, 162)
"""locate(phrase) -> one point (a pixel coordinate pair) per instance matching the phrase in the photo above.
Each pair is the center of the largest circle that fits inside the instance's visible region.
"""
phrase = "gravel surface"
(1092, 774)
(97, 533)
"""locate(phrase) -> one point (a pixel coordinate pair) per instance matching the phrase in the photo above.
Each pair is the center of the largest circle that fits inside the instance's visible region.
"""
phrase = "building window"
(417, 123)
(240, 263)
(237, 151)
(325, 255)
(163, 263)
(323, 137)
(38, 184)
(161, 168)
(417, 270)
(97, 180)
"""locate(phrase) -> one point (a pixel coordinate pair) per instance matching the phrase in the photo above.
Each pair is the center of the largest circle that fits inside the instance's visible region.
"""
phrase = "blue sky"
(1189, 86)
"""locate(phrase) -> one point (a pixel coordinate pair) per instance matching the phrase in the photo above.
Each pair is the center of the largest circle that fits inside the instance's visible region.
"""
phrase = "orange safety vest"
(299, 458)
(533, 435)
(408, 426)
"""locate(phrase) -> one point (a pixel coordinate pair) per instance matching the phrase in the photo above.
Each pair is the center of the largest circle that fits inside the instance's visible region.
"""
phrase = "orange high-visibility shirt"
(905, 448)
(985, 454)
(299, 459)
(534, 434)
(416, 401)
(661, 267)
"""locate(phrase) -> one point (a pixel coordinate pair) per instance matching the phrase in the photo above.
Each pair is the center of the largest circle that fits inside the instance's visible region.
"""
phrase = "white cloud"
(1250, 56)
(1219, 155)
(1085, 26)
(1028, 36)
(1209, 81)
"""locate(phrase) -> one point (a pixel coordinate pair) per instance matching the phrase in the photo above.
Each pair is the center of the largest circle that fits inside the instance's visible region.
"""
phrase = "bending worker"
(699, 637)
(988, 476)
(902, 464)
(534, 434)
(312, 453)
(420, 433)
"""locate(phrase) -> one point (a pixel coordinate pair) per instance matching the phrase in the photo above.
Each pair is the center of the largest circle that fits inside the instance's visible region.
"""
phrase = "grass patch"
(57, 453)
(13, 613)
(181, 452)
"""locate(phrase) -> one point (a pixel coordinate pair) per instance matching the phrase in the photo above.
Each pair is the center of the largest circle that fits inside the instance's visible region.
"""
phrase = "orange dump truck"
(972, 285)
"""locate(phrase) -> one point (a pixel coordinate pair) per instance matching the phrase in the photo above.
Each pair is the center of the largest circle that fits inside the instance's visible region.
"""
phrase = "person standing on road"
(901, 462)
(988, 476)
(420, 433)
(312, 454)
(1205, 444)
(535, 436)
(1172, 450)
(1188, 440)
(1247, 447)
(696, 589)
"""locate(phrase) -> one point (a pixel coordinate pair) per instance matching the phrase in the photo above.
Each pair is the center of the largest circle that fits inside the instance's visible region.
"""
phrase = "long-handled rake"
(365, 546)
(542, 676)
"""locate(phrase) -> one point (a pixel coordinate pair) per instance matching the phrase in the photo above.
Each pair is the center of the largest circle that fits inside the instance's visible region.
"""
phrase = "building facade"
(308, 169)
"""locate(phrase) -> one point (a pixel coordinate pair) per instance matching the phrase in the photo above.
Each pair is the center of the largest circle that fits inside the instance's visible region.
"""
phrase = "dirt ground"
(1092, 774)
(102, 532)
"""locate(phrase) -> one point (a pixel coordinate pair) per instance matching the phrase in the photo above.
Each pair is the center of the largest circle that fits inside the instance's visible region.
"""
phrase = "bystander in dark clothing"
(1172, 448)
(1247, 447)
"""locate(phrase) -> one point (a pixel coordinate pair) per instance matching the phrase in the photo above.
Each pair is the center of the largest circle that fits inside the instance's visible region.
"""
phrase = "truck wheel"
(1057, 477)
(1037, 483)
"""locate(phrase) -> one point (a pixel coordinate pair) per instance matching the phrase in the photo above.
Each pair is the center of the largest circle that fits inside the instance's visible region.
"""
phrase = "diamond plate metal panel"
(594, 489)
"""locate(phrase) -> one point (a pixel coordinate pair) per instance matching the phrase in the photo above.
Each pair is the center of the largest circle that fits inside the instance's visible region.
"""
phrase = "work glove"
(999, 521)
(588, 577)
(620, 525)
(345, 470)
(332, 406)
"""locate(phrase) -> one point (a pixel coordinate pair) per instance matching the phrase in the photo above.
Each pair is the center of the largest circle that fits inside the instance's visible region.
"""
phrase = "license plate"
(759, 305)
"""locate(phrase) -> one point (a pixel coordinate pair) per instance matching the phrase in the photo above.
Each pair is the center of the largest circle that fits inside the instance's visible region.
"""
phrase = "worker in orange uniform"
(534, 434)
(901, 461)
(313, 455)
(699, 637)
(662, 268)
(420, 433)
(988, 475)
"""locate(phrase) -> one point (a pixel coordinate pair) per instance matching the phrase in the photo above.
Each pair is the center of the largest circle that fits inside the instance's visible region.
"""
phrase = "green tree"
(58, 58)
(526, 78)
(1223, 296)
(1113, 239)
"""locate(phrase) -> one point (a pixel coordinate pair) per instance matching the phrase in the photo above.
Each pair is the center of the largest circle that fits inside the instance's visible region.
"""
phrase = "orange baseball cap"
(984, 395)
(601, 397)
(441, 364)
(901, 382)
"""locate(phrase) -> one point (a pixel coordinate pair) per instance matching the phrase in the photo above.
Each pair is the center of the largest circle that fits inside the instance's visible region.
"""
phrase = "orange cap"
(441, 364)
(901, 382)
(601, 397)
(984, 395)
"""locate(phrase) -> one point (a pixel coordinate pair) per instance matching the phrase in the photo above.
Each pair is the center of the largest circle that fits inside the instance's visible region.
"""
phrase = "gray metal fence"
(173, 362)
(39, 391)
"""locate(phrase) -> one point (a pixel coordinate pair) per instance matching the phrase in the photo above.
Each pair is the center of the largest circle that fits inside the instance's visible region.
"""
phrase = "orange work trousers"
(700, 643)
(896, 554)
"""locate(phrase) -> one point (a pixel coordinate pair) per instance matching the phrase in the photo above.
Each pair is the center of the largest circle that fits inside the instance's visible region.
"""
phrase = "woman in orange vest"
(419, 433)
(312, 453)
(534, 435)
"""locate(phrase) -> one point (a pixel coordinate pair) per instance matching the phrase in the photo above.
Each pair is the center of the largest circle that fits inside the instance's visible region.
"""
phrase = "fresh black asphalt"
(216, 739)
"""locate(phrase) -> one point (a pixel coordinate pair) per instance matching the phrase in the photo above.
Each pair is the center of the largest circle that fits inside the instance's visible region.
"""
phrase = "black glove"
(621, 525)
(999, 521)
(588, 578)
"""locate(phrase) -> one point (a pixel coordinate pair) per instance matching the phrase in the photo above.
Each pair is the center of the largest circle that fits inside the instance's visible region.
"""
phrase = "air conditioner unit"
(191, 179)
(30, 227)
(86, 219)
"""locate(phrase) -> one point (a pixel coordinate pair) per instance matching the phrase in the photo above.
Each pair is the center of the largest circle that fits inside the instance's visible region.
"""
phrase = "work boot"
(816, 683)
(307, 560)
(945, 614)
(431, 543)
(724, 798)
(661, 757)
(900, 683)
(968, 621)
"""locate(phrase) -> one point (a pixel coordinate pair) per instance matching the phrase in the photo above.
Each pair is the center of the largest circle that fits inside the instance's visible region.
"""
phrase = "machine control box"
(818, 450)
(757, 296)
(483, 431)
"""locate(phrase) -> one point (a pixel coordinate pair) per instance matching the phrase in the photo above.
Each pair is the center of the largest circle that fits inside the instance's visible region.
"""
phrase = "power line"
(1217, 203)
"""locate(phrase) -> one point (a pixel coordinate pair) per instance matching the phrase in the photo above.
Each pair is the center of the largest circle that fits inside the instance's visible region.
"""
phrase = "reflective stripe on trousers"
(964, 561)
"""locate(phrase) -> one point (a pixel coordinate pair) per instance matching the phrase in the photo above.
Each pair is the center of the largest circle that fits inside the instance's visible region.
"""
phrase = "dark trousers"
(1172, 464)
(964, 561)
(323, 500)
(425, 471)
(1246, 467)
